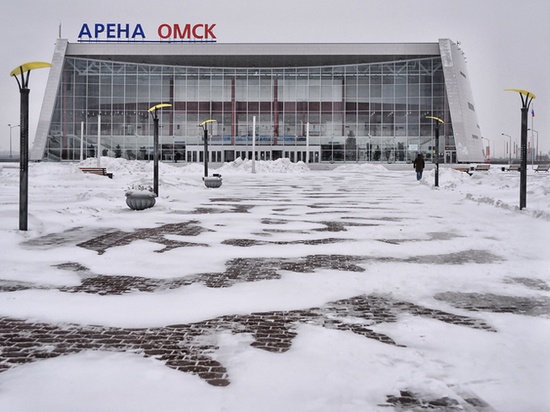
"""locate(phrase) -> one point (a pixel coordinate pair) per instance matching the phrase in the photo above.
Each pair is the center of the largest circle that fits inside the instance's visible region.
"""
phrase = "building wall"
(356, 112)
(469, 144)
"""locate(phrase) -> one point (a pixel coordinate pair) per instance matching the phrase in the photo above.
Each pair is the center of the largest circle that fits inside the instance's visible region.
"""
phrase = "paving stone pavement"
(191, 347)
(238, 270)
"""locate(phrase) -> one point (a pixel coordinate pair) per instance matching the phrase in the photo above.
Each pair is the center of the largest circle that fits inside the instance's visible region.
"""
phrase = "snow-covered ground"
(412, 243)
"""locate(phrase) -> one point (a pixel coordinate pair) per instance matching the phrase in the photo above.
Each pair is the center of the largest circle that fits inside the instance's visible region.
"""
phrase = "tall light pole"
(509, 148)
(537, 153)
(24, 91)
(11, 127)
(436, 147)
(153, 111)
(526, 99)
(205, 128)
(253, 144)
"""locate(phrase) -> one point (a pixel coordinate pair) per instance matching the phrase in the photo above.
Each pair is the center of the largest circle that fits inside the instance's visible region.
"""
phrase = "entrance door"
(450, 156)
(228, 155)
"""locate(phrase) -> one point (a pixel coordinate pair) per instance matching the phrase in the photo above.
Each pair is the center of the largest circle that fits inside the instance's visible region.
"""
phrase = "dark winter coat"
(419, 164)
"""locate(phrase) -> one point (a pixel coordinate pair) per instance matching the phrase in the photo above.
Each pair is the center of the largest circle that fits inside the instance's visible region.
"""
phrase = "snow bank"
(262, 166)
(498, 188)
(366, 167)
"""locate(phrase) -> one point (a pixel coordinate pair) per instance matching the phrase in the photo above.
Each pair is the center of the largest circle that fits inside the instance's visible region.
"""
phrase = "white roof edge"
(75, 49)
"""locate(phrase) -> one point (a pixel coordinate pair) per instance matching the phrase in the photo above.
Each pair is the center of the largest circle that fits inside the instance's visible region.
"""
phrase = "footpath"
(389, 288)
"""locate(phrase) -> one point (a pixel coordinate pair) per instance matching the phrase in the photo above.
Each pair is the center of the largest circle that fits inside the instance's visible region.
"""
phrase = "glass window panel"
(426, 66)
(413, 67)
(302, 89)
(388, 92)
(388, 79)
(413, 78)
(204, 89)
(192, 89)
(93, 79)
(363, 69)
(413, 129)
(314, 92)
(413, 91)
(217, 94)
(326, 93)
(266, 89)
(240, 89)
(426, 90)
(351, 91)
(438, 76)
(375, 92)
(426, 104)
(438, 90)
(253, 92)
(155, 80)
(401, 94)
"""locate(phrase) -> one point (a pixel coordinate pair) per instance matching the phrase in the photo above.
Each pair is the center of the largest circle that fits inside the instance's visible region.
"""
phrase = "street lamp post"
(205, 129)
(11, 127)
(436, 147)
(24, 91)
(526, 99)
(537, 147)
(216, 180)
(153, 111)
(253, 144)
(509, 148)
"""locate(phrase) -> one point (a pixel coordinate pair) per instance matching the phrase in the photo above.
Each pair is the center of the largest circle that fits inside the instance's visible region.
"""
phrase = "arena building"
(355, 102)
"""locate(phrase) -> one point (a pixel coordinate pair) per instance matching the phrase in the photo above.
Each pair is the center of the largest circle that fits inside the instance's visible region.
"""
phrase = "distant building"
(316, 102)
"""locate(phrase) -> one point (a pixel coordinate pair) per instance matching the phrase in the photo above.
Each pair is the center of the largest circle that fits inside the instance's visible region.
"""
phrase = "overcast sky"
(505, 42)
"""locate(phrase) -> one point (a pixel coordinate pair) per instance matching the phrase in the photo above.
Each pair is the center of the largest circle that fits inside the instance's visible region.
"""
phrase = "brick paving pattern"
(238, 270)
(189, 347)
(488, 302)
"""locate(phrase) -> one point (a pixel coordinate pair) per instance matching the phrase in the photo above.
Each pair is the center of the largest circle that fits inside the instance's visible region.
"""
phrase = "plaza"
(356, 288)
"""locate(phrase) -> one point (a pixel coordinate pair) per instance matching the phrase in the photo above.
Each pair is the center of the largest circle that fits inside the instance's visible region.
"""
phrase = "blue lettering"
(85, 31)
(111, 31)
(138, 31)
(99, 28)
(125, 30)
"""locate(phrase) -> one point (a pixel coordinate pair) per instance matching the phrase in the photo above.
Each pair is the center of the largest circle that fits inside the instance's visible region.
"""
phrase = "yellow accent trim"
(159, 105)
(524, 92)
(29, 66)
(208, 121)
(436, 118)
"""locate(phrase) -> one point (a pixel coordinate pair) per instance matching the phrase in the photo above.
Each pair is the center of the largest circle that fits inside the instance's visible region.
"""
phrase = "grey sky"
(505, 42)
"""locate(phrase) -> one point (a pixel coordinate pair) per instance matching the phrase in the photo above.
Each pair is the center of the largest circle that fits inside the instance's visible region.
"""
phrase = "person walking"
(419, 165)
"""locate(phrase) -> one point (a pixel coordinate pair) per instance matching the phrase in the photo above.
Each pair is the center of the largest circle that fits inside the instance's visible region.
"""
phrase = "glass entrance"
(450, 156)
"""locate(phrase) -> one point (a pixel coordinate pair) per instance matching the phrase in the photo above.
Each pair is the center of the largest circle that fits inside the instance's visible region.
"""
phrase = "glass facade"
(351, 113)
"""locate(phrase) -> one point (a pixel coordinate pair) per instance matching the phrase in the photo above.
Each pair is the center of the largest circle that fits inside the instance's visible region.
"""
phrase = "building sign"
(125, 32)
